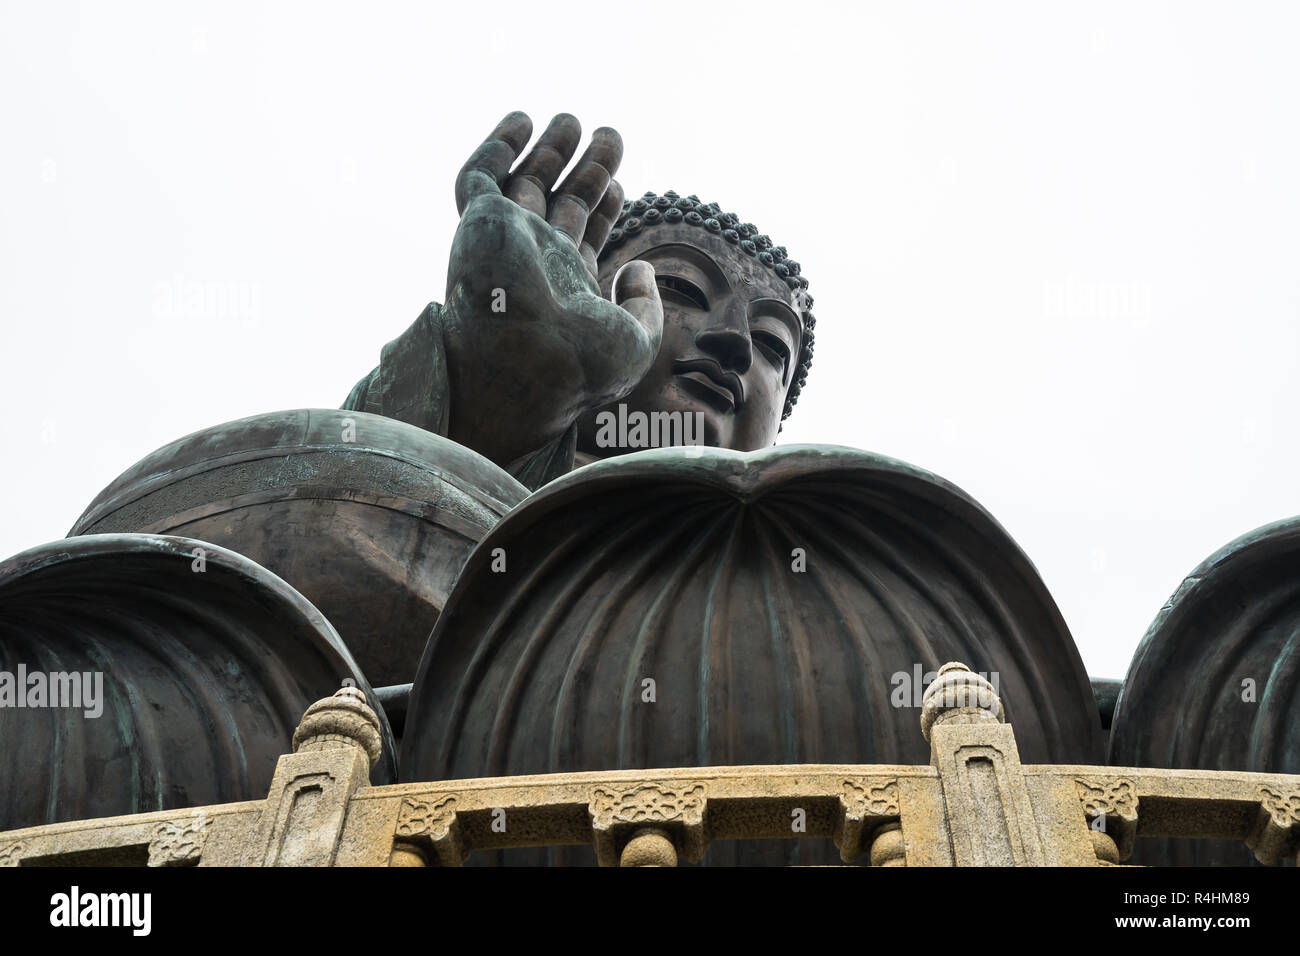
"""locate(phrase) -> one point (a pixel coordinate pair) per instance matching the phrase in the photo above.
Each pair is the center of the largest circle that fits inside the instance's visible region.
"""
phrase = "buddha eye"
(773, 348)
(683, 290)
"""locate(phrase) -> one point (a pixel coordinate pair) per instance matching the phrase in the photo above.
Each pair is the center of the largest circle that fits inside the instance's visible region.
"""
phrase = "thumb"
(635, 290)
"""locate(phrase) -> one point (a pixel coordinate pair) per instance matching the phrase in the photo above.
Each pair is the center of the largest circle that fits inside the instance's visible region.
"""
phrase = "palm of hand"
(507, 261)
(529, 332)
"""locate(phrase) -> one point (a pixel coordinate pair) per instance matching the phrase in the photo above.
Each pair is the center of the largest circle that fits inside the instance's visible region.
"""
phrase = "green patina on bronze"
(678, 565)
(337, 540)
(670, 208)
(1186, 702)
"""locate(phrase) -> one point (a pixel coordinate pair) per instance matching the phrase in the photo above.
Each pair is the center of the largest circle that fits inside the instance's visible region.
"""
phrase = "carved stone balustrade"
(974, 804)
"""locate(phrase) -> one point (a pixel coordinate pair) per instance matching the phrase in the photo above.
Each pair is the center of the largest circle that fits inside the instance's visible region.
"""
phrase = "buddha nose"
(728, 343)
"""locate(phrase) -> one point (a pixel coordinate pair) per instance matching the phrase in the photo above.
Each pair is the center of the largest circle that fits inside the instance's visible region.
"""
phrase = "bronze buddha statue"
(566, 302)
(556, 332)
(738, 326)
(770, 594)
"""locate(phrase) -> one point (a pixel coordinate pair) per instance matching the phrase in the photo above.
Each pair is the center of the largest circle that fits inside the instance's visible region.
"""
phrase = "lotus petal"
(207, 662)
(368, 517)
(682, 567)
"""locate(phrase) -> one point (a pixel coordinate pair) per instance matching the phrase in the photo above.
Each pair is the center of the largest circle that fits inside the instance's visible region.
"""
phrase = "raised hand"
(589, 200)
(531, 342)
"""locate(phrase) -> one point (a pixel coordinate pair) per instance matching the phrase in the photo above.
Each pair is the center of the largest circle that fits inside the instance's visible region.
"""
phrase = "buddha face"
(731, 342)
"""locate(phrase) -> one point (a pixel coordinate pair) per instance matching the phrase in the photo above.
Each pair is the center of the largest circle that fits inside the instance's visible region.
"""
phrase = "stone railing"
(974, 805)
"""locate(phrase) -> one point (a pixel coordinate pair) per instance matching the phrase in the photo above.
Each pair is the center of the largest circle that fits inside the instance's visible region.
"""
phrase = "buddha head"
(738, 327)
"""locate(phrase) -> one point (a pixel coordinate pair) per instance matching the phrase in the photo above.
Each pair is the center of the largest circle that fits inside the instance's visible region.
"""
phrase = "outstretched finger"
(585, 186)
(487, 168)
(600, 222)
(530, 184)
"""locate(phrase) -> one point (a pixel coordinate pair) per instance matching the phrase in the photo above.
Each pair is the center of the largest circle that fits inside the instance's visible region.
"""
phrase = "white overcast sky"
(1054, 248)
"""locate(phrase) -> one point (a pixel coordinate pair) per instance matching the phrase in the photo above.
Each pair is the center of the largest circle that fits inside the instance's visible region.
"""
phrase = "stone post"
(990, 817)
(334, 746)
